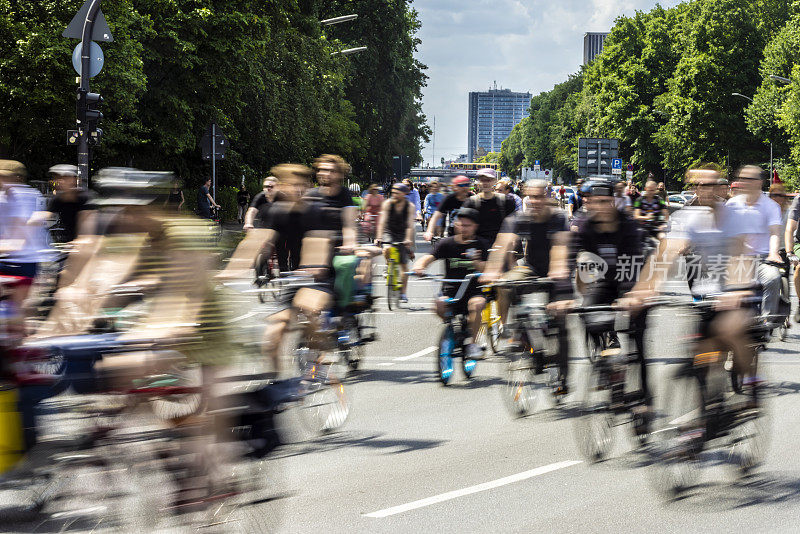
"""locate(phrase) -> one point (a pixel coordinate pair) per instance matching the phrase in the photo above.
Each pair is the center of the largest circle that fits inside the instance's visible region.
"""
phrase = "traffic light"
(89, 114)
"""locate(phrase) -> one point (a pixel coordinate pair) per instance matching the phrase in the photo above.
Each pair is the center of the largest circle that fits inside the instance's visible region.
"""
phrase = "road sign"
(537, 162)
(401, 165)
(629, 175)
(220, 146)
(100, 32)
(616, 166)
(96, 59)
(630, 167)
(73, 136)
(595, 155)
(537, 168)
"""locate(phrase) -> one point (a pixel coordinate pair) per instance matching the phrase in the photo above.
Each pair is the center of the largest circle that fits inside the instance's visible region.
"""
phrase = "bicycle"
(394, 281)
(267, 270)
(454, 334)
(606, 404)
(532, 354)
(705, 411)
(491, 323)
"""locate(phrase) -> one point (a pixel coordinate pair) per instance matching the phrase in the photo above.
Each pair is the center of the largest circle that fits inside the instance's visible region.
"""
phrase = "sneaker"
(404, 298)
(474, 352)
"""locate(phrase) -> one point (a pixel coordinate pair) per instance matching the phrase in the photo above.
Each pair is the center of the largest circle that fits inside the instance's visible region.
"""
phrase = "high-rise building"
(492, 116)
(592, 45)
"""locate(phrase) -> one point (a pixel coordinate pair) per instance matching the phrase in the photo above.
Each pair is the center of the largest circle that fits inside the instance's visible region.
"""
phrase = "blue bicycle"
(452, 343)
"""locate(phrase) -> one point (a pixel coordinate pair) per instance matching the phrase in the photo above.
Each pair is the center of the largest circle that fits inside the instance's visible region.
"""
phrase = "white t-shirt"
(755, 220)
(19, 203)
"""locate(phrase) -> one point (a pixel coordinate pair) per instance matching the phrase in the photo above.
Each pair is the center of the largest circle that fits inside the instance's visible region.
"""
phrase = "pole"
(83, 131)
(433, 148)
(771, 167)
(599, 157)
(214, 160)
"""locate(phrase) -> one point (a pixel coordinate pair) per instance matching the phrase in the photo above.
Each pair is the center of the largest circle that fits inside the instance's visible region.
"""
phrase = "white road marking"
(385, 364)
(423, 352)
(472, 489)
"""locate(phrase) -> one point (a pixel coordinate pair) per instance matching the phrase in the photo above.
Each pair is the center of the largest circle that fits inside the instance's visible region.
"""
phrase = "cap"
(401, 187)
(64, 169)
(460, 180)
(491, 173)
(598, 188)
(469, 213)
(10, 167)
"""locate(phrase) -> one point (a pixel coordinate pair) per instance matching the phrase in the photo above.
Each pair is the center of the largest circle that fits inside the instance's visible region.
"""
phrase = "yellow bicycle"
(394, 281)
(491, 324)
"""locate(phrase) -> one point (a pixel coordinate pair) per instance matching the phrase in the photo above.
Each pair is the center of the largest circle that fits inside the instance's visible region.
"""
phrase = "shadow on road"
(344, 440)
(758, 489)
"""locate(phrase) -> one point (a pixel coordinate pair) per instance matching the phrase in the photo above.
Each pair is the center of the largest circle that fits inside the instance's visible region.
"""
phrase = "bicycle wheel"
(679, 436)
(444, 356)
(262, 276)
(595, 425)
(518, 393)
(324, 406)
(749, 440)
(493, 326)
(354, 351)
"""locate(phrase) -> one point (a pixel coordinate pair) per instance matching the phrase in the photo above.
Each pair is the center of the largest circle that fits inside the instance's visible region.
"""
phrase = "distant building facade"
(492, 116)
(592, 45)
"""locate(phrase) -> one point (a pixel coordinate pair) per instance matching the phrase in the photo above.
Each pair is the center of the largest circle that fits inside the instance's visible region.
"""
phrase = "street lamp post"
(771, 169)
(781, 79)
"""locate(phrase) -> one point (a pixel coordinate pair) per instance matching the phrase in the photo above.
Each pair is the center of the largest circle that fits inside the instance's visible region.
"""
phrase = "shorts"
(796, 249)
(24, 270)
(460, 307)
(288, 293)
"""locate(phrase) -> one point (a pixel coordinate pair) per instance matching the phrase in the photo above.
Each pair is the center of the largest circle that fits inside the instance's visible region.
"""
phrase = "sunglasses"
(463, 185)
(269, 187)
(779, 195)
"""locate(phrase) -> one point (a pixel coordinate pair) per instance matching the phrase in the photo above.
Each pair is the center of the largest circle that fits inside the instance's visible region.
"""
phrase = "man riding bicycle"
(431, 203)
(398, 219)
(449, 206)
(544, 231)
(651, 211)
(464, 254)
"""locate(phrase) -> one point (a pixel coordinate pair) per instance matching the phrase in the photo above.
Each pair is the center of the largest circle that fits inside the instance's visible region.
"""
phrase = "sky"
(523, 45)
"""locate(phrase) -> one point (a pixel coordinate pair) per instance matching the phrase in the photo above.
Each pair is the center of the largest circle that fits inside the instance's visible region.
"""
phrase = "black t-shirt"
(330, 208)
(202, 199)
(292, 222)
(67, 211)
(242, 197)
(448, 206)
(492, 213)
(539, 237)
(621, 251)
(457, 256)
(262, 204)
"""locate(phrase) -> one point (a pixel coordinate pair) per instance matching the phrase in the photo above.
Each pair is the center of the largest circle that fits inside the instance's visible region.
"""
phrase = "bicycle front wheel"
(447, 344)
(324, 407)
(594, 429)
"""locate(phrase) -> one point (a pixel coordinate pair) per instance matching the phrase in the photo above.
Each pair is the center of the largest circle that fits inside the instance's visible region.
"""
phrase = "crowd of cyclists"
(143, 291)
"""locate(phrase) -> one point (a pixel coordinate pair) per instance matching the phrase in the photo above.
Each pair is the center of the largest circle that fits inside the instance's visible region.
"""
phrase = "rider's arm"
(410, 228)
(432, 223)
(423, 263)
(559, 254)
(250, 217)
(349, 215)
(382, 218)
(211, 199)
(788, 235)
(505, 242)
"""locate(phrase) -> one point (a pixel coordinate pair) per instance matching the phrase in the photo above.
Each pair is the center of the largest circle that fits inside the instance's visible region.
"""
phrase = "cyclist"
(792, 243)
(337, 211)
(762, 217)
(710, 232)
(574, 203)
(504, 187)
(651, 210)
(297, 222)
(205, 201)
(68, 202)
(372, 209)
(492, 207)
(615, 241)
(544, 230)
(398, 217)
(449, 206)
(431, 203)
(464, 254)
(257, 212)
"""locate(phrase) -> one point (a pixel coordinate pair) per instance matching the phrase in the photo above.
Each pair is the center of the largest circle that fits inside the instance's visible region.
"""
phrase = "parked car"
(678, 199)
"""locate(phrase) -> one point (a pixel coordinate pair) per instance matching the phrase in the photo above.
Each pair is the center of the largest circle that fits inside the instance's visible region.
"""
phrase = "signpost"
(214, 144)
(595, 155)
(88, 24)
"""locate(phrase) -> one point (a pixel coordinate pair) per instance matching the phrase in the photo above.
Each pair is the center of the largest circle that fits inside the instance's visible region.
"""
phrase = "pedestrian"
(242, 201)
(205, 201)
(175, 199)
(661, 190)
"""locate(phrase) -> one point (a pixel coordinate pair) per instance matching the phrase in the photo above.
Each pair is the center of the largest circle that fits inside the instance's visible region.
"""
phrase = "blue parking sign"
(616, 163)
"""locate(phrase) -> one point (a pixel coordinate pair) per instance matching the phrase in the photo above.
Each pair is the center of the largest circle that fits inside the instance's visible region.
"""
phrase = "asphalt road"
(415, 456)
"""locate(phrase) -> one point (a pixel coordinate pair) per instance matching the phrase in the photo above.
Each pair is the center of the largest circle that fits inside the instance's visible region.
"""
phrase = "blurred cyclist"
(398, 217)
(464, 254)
(449, 206)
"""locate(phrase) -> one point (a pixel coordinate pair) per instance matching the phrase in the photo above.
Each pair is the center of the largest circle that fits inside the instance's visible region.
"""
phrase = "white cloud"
(524, 45)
